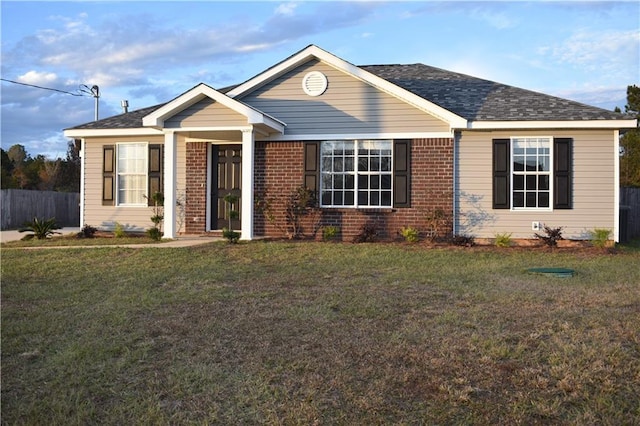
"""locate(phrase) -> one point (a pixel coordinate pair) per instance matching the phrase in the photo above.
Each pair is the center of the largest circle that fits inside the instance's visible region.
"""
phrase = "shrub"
(503, 240)
(231, 235)
(154, 233)
(87, 231)
(119, 231)
(600, 237)
(301, 202)
(436, 219)
(551, 236)
(368, 234)
(463, 240)
(40, 229)
(330, 232)
(410, 235)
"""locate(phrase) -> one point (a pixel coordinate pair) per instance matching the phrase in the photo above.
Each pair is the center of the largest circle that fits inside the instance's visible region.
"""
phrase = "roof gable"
(197, 94)
(314, 52)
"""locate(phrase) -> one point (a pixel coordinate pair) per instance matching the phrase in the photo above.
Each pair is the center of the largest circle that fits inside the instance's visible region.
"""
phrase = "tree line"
(630, 142)
(22, 171)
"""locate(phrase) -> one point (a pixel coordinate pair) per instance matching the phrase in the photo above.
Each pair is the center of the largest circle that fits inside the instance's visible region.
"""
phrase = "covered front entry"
(226, 178)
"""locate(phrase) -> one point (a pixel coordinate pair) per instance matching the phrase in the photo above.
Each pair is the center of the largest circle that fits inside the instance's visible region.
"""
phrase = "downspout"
(616, 183)
(456, 140)
(82, 173)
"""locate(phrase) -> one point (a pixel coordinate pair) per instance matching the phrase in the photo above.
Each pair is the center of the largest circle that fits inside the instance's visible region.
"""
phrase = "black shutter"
(402, 173)
(312, 166)
(108, 175)
(501, 171)
(562, 173)
(155, 172)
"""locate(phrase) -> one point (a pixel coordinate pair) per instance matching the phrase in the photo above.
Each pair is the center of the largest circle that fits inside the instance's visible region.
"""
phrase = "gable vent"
(314, 83)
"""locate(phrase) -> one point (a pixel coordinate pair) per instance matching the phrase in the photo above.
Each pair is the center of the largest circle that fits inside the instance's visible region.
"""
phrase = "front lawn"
(319, 333)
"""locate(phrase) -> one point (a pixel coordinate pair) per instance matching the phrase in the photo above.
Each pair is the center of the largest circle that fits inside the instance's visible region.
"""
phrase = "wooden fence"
(629, 213)
(19, 206)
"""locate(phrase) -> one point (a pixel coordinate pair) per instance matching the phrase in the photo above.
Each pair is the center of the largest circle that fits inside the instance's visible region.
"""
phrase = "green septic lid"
(556, 272)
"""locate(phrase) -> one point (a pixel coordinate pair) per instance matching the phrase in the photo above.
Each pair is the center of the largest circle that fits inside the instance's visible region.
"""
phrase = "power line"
(40, 87)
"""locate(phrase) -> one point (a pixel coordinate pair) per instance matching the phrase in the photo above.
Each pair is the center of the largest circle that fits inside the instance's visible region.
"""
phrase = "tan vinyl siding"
(206, 113)
(104, 217)
(593, 187)
(347, 106)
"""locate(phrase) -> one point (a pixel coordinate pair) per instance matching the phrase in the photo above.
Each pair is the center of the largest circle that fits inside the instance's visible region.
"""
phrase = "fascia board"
(454, 120)
(577, 124)
(88, 133)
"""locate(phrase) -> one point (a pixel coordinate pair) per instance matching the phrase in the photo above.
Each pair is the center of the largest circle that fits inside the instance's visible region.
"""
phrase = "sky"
(150, 52)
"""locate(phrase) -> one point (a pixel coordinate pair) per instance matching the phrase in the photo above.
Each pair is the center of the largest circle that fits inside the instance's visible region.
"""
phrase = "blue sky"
(150, 52)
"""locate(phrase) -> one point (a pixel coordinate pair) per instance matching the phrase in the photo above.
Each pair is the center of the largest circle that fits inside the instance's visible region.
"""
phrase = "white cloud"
(38, 78)
(597, 50)
(286, 9)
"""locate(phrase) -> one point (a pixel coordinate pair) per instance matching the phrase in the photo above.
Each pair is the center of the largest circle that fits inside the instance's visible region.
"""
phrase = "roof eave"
(87, 133)
(560, 124)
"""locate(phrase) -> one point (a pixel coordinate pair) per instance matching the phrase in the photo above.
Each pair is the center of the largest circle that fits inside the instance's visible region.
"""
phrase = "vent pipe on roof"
(125, 106)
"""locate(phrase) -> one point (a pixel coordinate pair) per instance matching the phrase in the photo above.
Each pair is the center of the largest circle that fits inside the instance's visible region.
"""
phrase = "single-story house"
(383, 144)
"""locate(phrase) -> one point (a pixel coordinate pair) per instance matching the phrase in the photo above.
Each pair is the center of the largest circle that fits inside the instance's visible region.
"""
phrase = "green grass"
(319, 333)
(71, 240)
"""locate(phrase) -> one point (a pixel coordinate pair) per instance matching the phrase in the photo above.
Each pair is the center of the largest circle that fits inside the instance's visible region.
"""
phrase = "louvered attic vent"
(314, 83)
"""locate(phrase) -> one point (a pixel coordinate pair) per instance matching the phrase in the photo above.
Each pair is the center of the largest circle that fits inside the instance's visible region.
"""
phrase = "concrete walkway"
(182, 241)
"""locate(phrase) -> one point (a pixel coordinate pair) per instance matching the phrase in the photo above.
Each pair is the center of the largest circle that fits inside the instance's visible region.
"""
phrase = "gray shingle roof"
(472, 98)
(476, 99)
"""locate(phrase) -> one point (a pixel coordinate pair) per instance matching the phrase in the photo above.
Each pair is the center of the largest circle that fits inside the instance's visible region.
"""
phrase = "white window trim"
(512, 172)
(117, 173)
(355, 173)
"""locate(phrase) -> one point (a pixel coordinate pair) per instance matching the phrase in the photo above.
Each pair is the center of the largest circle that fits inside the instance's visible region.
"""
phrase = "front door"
(226, 161)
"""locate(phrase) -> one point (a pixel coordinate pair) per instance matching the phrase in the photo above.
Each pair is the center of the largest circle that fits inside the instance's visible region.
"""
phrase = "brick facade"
(196, 191)
(279, 171)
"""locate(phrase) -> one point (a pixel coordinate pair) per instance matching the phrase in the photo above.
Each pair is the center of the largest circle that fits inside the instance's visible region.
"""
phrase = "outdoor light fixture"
(93, 91)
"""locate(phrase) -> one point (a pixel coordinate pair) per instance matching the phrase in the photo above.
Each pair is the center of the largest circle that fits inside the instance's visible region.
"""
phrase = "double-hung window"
(356, 173)
(132, 169)
(531, 173)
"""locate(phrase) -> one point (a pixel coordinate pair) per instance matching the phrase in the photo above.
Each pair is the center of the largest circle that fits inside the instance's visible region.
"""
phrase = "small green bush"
(330, 232)
(410, 235)
(600, 237)
(368, 234)
(119, 231)
(551, 236)
(40, 229)
(154, 233)
(231, 235)
(503, 240)
(87, 231)
(463, 240)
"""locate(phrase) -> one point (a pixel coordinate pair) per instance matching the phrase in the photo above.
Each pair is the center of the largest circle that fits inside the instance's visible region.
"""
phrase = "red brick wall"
(196, 192)
(279, 171)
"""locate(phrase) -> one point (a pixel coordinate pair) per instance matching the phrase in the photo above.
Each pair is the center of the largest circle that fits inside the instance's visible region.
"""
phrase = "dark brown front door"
(225, 179)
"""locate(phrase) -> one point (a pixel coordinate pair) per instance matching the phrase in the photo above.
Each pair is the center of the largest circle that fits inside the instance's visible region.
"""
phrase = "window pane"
(385, 164)
(337, 198)
(531, 182)
(337, 164)
(531, 199)
(327, 164)
(375, 164)
(348, 164)
(363, 198)
(386, 182)
(363, 182)
(543, 163)
(375, 199)
(326, 181)
(518, 182)
(543, 182)
(375, 182)
(386, 198)
(518, 163)
(349, 181)
(348, 198)
(326, 198)
(338, 182)
(363, 164)
(518, 199)
(543, 199)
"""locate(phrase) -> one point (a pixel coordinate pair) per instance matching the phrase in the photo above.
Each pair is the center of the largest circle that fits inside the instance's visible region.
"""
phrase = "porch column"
(170, 145)
(247, 184)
